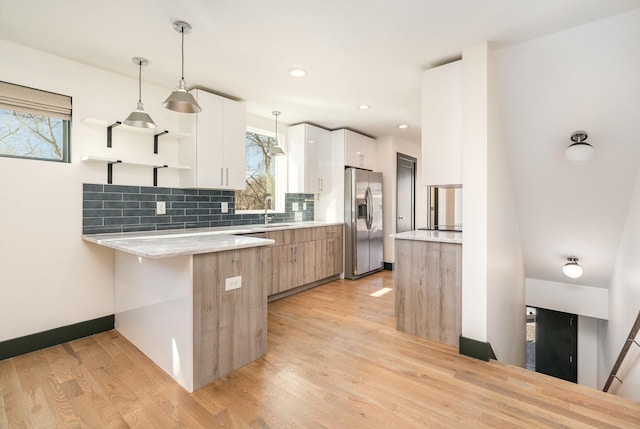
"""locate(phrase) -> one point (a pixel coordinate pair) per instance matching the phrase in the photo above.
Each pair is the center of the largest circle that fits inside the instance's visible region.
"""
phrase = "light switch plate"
(294, 207)
(224, 207)
(161, 207)
(232, 283)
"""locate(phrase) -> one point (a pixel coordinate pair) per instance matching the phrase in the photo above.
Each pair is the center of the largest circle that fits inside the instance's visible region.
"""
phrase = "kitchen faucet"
(267, 218)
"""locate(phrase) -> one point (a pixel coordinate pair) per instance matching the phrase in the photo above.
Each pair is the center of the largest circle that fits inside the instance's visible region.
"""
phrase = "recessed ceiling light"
(297, 72)
(403, 126)
(364, 107)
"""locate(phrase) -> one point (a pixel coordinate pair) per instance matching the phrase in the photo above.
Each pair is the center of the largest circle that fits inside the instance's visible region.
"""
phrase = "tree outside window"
(29, 135)
(261, 173)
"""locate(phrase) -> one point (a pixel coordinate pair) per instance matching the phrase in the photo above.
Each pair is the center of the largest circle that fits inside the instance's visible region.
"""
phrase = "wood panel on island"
(429, 290)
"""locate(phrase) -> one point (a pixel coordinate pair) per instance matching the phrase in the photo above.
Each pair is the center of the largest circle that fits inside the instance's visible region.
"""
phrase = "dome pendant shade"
(572, 269)
(139, 118)
(180, 100)
(580, 150)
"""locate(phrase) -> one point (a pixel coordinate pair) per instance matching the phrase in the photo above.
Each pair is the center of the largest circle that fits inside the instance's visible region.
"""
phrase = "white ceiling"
(373, 52)
(356, 51)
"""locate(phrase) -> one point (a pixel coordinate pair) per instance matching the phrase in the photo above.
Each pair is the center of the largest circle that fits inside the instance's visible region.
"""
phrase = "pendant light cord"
(140, 81)
(182, 32)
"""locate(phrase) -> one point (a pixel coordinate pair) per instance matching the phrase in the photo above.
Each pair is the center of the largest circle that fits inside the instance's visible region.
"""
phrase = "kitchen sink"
(273, 225)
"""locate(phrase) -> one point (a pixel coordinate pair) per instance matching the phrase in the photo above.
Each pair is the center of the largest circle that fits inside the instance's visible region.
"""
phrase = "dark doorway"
(556, 344)
(405, 192)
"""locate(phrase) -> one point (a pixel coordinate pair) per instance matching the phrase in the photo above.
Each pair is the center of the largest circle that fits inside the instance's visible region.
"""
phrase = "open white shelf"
(109, 160)
(106, 123)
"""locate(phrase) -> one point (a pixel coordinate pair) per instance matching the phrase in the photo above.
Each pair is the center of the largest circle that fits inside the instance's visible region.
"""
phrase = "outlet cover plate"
(232, 283)
(161, 207)
(224, 207)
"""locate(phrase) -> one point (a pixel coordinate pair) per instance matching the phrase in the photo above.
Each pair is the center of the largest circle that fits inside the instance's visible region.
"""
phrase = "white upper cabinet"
(309, 159)
(359, 151)
(441, 125)
(216, 150)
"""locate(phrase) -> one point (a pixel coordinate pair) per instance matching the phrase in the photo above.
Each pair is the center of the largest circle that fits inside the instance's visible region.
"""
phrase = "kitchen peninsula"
(195, 301)
(429, 284)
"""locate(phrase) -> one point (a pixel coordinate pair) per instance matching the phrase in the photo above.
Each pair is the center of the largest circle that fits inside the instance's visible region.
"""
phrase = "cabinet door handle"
(319, 184)
(361, 159)
(221, 176)
(295, 253)
(227, 181)
(331, 243)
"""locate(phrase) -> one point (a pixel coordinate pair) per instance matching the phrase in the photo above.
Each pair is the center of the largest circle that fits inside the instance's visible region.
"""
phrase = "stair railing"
(631, 339)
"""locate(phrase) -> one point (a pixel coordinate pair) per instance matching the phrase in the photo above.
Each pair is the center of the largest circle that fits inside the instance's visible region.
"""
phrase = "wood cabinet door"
(283, 269)
(336, 252)
(229, 326)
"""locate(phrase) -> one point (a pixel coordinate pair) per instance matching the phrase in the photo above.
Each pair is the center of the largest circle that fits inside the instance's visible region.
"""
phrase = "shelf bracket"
(155, 173)
(110, 171)
(155, 140)
(110, 131)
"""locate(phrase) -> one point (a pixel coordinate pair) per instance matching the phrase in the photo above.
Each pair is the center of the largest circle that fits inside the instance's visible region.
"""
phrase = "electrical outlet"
(161, 207)
(294, 207)
(304, 206)
(232, 283)
(224, 207)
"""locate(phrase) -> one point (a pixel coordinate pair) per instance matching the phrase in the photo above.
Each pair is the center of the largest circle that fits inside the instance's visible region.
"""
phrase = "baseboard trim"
(476, 349)
(52, 337)
(388, 266)
(302, 288)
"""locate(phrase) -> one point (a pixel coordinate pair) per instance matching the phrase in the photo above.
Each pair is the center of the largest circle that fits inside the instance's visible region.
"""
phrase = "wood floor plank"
(335, 360)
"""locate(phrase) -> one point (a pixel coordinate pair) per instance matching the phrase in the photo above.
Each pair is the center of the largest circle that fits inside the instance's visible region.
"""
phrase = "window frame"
(281, 167)
(16, 98)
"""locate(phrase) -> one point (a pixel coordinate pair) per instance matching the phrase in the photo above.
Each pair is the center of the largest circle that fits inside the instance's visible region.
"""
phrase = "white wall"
(506, 291)
(388, 149)
(568, 297)
(588, 352)
(492, 265)
(49, 276)
(624, 305)
(475, 192)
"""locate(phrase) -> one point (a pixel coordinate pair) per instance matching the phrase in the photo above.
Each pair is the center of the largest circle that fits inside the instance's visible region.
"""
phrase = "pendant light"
(276, 150)
(139, 118)
(180, 100)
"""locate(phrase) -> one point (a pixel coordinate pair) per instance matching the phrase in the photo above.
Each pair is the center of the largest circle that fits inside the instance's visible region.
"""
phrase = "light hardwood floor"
(334, 361)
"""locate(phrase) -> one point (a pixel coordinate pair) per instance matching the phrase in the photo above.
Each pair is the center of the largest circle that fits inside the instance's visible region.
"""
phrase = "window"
(34, 124)
(265, 176)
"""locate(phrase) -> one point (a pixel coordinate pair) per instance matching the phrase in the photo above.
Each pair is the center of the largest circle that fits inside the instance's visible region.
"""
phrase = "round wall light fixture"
(572, 269)
(579, 150)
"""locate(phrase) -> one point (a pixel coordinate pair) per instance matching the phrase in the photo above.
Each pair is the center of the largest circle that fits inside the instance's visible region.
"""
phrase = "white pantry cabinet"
(359, 151)
(216, 150)
(309, 159)
(442, 125)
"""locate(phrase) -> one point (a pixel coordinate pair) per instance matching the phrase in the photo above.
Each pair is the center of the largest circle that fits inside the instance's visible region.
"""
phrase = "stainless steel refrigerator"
(363, 222)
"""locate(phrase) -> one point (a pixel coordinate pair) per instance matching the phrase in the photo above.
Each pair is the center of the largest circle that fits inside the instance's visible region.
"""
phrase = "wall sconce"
(579, 150)
(572, 269)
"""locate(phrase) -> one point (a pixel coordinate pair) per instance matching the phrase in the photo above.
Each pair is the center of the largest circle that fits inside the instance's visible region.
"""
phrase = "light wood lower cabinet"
(229, 327)
(304, 255)
(429, 290)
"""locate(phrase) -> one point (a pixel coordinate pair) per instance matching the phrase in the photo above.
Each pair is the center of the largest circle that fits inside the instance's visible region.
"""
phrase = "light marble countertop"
(165, 244)
(426, 235)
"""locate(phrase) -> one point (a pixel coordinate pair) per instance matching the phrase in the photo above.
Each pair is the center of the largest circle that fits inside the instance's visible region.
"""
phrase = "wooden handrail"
(631, 339)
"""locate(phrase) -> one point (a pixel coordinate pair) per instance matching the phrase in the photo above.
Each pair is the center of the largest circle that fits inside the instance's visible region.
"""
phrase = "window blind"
(35, 101)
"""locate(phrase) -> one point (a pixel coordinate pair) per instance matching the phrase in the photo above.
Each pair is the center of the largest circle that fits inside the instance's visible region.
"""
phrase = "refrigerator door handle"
(369, 201)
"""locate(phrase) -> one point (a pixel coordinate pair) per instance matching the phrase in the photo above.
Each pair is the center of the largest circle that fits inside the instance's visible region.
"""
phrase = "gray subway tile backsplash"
(118, 208)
